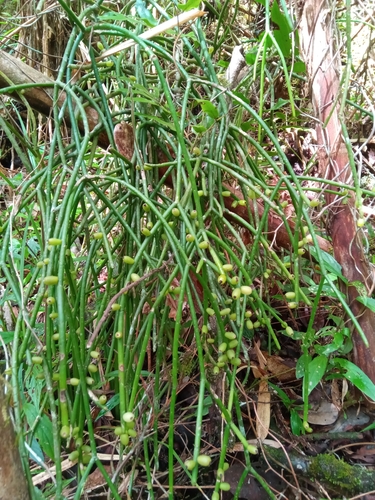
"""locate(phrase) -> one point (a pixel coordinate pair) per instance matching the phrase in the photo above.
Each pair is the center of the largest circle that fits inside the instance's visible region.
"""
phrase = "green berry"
(51, 280)
(222, 347)
(227, 267)
(360, 222)
(203, 245)
(65, 431)
(222, 279)
(73, 456)
(128, 416)
(54, 242)
(204, 460)
(224, 486)
(124, 438)
(190, 464)
(225, 312)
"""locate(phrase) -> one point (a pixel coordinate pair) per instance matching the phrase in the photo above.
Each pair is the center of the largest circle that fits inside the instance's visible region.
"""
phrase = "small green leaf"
(209, 109)
(199, 129)
(299, 67)
(145, 14)
(356, 376)
(190, 4)
(330, 262)
(280, 103)
(7, 337)
(282, 34)
(316, 370)
(368, 302)
(112, 403)
(295, 423)
(246, 126)
(282, 395)
(43, 430)
(302, 365)
(163, 123)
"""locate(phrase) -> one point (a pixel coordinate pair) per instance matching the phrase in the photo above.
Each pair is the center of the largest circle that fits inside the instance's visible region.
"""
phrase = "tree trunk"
(324, 70)
(13, 485)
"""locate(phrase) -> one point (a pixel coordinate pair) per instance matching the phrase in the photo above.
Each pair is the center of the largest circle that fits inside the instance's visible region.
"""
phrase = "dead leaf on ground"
(263, 413)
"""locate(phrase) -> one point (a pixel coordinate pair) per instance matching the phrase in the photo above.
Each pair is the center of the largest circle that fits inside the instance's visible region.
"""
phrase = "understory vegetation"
(171, 312)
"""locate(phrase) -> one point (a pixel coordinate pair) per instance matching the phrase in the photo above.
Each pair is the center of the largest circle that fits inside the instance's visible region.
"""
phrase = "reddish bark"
(323, 67)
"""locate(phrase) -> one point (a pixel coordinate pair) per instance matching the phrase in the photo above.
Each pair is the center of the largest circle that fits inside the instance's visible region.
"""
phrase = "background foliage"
(142, 303)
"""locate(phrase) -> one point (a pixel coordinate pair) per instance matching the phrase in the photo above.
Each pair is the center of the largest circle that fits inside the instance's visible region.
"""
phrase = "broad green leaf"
(368, 302)
(279, 104)
(43, 430)
(7, 337)
(295, 423)
(356, 376)
(250, 57)
(282, 394)
(302, 365)
(190, 4)
(145, 14)
(299, 67)
(246, 126)
(112, 403)
(37, 450)
(35, 386)
(282, 35)
(38, 494)
(330, 262)
(241, 96)
(33, 245)
(166, 125)
(316, 370)
(209, 108)
(199, 129)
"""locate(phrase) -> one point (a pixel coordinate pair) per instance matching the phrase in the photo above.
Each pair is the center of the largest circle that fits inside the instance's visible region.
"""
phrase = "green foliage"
(134, 276)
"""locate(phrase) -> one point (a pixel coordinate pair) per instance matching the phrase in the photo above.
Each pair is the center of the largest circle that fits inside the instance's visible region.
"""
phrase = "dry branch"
(15, 72)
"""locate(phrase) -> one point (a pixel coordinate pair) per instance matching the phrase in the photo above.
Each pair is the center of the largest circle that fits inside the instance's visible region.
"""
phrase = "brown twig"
(123, 290)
